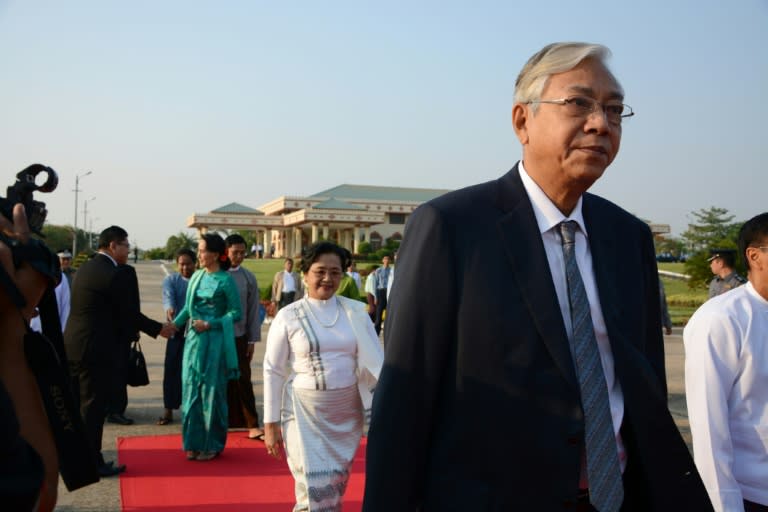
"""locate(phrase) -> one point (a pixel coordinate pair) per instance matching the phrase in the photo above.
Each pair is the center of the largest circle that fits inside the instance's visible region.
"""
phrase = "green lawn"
(682, 301)
(265, 271)
(673, 267)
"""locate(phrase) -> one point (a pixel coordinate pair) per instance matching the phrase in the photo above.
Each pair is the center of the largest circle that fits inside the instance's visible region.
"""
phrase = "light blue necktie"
(606, 490)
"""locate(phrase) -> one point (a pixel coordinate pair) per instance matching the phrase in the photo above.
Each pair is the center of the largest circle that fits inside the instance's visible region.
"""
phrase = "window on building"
(397, 218)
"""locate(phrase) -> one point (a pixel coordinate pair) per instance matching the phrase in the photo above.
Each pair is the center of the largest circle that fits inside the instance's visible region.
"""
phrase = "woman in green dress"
(210, 359)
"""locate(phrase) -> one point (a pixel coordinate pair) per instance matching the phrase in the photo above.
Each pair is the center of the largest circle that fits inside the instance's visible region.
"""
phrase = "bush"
(157, 253)
(364, 248)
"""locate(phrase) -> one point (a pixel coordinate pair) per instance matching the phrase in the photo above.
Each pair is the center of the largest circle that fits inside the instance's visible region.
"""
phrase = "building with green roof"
(346, 214)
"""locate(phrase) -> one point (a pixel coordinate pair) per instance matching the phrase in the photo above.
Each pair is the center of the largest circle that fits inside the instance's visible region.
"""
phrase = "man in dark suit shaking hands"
(101, 321)
(543, 388)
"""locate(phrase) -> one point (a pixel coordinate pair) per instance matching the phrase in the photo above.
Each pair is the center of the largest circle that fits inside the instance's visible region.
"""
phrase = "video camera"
(21, 192)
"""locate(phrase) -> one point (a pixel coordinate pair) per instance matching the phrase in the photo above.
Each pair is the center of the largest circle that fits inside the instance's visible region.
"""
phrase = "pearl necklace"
(312, 313)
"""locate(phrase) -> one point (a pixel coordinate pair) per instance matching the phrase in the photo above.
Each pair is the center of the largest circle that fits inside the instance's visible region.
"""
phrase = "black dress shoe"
(108, 469)
(120, 419)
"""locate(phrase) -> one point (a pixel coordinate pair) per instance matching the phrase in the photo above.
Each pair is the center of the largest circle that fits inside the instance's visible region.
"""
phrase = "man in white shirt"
(62, 294)
(286, 286)
(726, 383)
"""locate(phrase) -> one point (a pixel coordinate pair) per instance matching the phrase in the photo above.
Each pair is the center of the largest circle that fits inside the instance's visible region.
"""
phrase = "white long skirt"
(321, 431)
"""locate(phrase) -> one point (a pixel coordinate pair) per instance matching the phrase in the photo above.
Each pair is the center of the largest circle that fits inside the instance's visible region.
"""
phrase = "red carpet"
(242, 478)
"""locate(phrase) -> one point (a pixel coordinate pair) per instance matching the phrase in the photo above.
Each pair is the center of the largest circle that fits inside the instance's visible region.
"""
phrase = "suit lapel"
(605, 260)
(522, 244)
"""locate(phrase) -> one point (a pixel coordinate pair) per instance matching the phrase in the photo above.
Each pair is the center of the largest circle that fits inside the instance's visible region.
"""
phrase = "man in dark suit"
(118, 400)
(543, 388)
(100, 322)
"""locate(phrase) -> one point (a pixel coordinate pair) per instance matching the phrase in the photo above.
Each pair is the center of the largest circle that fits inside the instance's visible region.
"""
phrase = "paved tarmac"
(145, 404)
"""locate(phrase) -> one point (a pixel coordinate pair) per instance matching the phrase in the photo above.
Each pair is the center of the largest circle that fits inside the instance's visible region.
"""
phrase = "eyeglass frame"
(595, 103)
(331, 273)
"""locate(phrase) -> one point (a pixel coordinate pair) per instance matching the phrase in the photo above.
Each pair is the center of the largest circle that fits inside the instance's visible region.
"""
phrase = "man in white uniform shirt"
(726, 383)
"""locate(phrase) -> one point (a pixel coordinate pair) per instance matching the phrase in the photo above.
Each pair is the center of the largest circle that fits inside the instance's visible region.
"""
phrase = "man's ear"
(520, 116)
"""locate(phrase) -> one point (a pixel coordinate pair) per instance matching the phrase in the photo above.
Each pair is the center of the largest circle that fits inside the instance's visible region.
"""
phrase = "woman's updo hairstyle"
(214, 243)
(314, 251)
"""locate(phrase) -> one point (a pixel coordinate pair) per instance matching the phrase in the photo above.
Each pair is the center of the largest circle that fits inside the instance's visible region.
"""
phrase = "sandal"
(192, 455)
(163, 420)
(258, 437)
(206, 456)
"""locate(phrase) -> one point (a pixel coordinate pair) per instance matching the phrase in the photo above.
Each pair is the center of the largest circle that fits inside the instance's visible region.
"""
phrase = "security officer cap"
(728, 254)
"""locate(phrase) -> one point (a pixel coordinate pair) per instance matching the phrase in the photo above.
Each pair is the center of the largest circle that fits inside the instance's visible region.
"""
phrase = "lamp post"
(85, 217)
(77, 189)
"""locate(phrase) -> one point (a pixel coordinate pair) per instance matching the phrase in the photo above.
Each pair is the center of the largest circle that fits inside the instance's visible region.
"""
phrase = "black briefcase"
(136, 373)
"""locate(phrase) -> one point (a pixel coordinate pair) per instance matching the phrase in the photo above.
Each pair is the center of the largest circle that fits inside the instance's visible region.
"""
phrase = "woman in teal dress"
(210, 359)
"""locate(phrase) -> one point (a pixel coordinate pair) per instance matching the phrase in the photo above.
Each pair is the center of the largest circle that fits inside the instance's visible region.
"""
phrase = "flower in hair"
(223, 258)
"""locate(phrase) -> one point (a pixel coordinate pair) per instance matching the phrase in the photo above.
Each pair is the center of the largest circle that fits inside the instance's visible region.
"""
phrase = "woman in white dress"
(322, 360)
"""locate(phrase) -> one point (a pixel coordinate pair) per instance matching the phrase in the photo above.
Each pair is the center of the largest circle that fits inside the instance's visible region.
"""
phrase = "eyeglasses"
(583, 106)
(332, 274)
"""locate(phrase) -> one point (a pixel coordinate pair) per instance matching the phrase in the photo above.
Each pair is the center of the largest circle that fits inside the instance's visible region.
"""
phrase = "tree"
(713, 228)
(179, 241)
(669, 245)
(58, 238)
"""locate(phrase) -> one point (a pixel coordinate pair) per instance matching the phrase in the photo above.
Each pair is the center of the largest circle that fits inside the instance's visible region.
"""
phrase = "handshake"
(168, 330)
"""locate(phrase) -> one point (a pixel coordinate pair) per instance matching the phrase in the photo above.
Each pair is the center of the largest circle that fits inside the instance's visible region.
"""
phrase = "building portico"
(347, 215)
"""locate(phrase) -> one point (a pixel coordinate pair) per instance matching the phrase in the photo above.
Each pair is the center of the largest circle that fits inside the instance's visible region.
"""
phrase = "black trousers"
(381, 305)
(285, 299)
(117, 402)
(240, 400)
(91, 385)
(174, 353)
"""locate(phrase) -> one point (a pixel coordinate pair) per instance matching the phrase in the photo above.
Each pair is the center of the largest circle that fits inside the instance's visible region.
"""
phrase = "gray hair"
(550, 60)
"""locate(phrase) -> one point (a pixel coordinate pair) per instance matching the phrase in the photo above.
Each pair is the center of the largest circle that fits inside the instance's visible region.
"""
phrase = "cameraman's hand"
(30, 282)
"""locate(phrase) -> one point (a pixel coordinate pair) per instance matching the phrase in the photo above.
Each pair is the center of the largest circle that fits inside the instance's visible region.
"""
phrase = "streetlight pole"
(77, 189)
(85, 216)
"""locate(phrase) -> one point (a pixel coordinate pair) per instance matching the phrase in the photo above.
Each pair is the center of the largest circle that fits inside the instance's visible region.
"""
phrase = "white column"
(297, 241)
(314, 232)
(368, 234)
(287, 242)
(356, 240)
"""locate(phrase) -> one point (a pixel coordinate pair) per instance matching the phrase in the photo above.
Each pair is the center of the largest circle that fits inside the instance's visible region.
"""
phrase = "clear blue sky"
(180, 107)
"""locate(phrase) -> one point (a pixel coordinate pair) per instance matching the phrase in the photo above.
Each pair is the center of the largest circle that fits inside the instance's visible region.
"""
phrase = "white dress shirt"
(548, 217)
(726, 387)
(289, 284)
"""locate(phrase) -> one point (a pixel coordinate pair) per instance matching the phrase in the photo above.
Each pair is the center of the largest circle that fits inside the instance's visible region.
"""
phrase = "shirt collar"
(234, 269)
(547, 214)
(110, 257)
